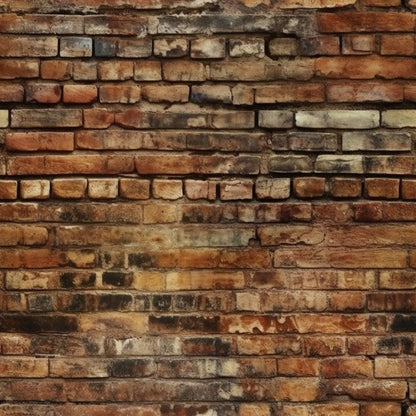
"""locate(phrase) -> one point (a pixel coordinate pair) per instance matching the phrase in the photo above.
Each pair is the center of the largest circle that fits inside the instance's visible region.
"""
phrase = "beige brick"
(170, 48)
(273, 188)
(34, 189)
(237, 189)
(4, 118)
(167, 189)
(103, 188)
(208, 48)
(398, 118)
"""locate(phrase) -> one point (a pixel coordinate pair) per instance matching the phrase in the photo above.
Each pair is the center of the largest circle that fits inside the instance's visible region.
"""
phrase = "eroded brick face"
(207, 208)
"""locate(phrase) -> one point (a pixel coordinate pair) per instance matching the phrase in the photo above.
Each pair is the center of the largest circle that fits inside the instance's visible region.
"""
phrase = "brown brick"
(167, 189)
(147, 71)
(208, 48)
(397, 45)
(235, 190)
(170, 48)
(72, 47)
(8, 189)
(347, 367)
(198, 189)
(85, 71)
(320, 45)
(44, 93)
(358, 44)
(34, 189)
(132, 188)
(309, 187)
(46, 118)
(283, 93)
(25, 46)
(272, 188)
(239, 48)
(345, 187)
(115, 25)
(56, 70)
(381, 409)
(168, 93)
(183, 71)
(124, 94)
(115, 70)
(382, 188)
(72, 188)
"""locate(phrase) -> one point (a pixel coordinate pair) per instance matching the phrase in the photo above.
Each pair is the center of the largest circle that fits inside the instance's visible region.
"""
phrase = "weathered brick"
(183, 71)
(73, 188)
(235, 190)
(276, 119)
(290, 164)
(46, 118)
(320, 45)
(85, 71)
(8, 189)
(346, 187)
(398, 118)
(132, 188)
(397, 45)
(79, 94)
(4, 118)
(11, 92)
(171, 48)
(239, 48)
(358, 44)
(123, 94)
(56, 70)
(198, 189)
(309, 187)
(283, 47)
(273, 188)
(211, 94)
(115, 70)
(380, 141)
(98, 118)
(72, 47)
(19, 68)
(34, 189)
(338, 119)
(347, 367)
(283, 93)
(48, 93)
(381, 409)
(168, 93)
(208, 48)
(339, 164)
(115, 25)
(25, 46)
(147, 71)
(167, 189)
(30, 142)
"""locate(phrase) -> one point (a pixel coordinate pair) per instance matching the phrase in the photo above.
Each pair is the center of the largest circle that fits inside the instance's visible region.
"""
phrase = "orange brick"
(8, 189)
(309, 187)
(397, 45)
(80, 94)
(131, 188)
(32, 142)
(125, 94)
(382, 188)
(346, 187)
(56, 70)
(44, 93)
(73, 188)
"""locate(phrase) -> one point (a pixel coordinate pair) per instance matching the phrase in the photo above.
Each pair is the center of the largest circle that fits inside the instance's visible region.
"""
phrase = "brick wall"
(207, 208)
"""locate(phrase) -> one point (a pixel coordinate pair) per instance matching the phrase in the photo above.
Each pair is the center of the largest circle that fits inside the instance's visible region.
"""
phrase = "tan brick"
(183, 71)
(25, 46)
(273, 188)
(160, 214)
(11, 92)
(399, 118)
(115, 70)
(276, 118)
(236, 189)
(385, 367)
(71, 188)
(208, 48)
(198, 189)
(34, 189)
(338, 119)
(167, 189)
(25, 367)
(358, 44)
(168, 93)
(258, 409)
(283, 47)
(170, 48)
(103, 188)
(380, 141)
(75, 47)
(381, 409)
(4, 118)
(239, 48)
(147, 71)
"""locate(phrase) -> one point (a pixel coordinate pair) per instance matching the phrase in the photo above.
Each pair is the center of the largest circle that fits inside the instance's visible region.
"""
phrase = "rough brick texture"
(207, 208)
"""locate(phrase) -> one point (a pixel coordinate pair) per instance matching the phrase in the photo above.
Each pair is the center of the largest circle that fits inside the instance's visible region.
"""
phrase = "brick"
(260, 409)
(290, 164)
(134, 48)
(72, 188)
(79, 368)
(167, 189)
(382, 188)
(358, 44)
(283, 47)
(366, 21)
(380, 141)
(309, 187)
(11, 92)
(115, 25)
(33, 142)
(236, 190)
(46, 118)
(242, 95)
(289, 93)
(397, 45)
(4, 118)
(198, 189)
(85, 71)
(79, 94)
(408, 189)
(170, 48)
(103, 188)
(123, 94)
(389, 165)
(320, 45)
(115, 70)
(394, 367)
(368, 92)
(168, 93)
(381, 409)
(365, 67)
(8, 189)
(239, 48)
(398, 118)
(147, 71)
(183, 71)
(23, 367)
(75, 47)
(347, 367)
(339, 164)
(34, 189)
(19, 68)
(281, 234)
(56, 70)
(345, 187)
(308, 4)
(48, 93)
(276, 119)
(160, 214)
(132, 188)
(272, 188)
(211, 94)
(98, 118)
(208, 48)
(25, 46)
(338, 119)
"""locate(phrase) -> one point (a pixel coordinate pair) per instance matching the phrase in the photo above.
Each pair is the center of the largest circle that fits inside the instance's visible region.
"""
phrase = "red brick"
(382, 188)
(80, 94)
(19, 68)
(98, 118)
(33, 142)
(354, 21)
(11, 92)
(57, 70)
(347, 367)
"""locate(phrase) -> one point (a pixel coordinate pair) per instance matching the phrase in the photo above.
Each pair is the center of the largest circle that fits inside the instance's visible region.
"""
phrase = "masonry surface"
(207, 208)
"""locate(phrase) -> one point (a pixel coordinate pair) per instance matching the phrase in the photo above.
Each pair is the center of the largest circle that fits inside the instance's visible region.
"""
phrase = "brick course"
(207, 208)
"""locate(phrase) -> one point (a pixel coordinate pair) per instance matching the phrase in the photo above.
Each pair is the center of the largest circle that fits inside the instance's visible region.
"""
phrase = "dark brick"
(404, 323)
(207, 346)
(78, 279)
(119, 279)
(132, 367)
(38, 323)
(115, 302)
